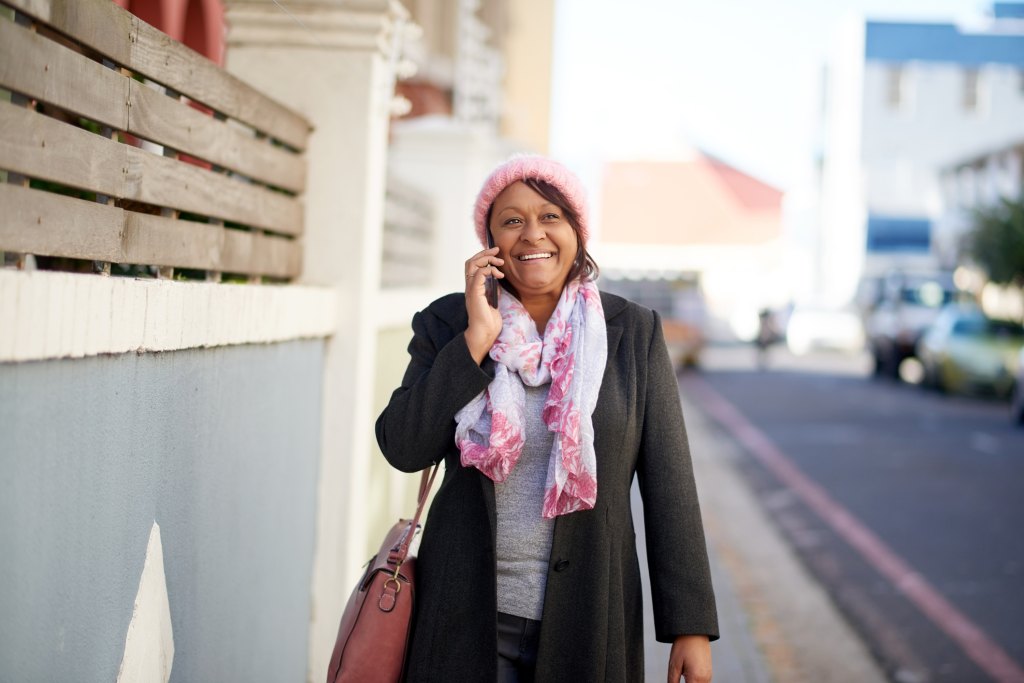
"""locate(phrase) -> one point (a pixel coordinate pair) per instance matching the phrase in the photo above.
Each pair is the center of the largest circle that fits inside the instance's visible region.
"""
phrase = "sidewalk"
(777, 623)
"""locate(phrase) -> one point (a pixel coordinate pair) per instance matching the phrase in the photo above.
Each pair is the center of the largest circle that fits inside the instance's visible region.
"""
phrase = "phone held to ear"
(491, 282)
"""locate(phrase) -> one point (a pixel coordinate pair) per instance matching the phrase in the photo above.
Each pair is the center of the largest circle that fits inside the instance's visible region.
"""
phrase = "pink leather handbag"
(375, 627)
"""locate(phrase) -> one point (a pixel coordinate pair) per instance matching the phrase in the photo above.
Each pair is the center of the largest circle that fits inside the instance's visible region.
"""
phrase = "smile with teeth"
(534, 257)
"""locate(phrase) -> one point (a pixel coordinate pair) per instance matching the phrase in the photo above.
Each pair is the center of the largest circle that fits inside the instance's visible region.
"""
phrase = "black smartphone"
(491, 282)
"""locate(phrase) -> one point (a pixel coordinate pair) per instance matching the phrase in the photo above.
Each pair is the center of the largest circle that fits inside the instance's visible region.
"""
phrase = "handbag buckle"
(389, 596)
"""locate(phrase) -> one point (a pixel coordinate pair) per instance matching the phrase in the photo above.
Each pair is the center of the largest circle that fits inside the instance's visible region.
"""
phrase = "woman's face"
(534, 238)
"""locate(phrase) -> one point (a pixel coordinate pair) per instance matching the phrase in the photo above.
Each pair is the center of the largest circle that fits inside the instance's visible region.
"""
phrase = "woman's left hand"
(691, 659)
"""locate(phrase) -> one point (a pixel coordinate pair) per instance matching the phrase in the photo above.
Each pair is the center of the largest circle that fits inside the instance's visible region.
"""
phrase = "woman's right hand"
(484, 321)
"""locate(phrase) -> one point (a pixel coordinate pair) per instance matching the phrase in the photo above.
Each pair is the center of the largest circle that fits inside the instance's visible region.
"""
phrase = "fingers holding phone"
(491, 283)
(482, 302)
(491, 290)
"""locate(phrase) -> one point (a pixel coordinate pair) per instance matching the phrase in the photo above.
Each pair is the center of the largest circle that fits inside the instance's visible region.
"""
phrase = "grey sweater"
(523, 539)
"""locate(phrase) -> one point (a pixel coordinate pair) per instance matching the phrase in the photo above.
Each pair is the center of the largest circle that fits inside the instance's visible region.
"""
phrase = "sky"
(736, 78)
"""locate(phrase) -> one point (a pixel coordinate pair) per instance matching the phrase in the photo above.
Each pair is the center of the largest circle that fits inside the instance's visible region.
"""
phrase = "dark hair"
(584, 266)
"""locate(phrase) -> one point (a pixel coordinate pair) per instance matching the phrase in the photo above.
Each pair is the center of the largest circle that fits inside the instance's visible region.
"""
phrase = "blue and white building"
(902, 102)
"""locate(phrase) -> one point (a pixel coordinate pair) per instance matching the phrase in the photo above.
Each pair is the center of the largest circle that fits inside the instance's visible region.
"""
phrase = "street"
(905, 504)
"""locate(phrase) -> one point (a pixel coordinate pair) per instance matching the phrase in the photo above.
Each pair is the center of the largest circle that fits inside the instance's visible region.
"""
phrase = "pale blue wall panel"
(221, 448)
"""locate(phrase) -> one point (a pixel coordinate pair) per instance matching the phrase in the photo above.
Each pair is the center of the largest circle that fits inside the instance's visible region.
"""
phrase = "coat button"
(561, 565)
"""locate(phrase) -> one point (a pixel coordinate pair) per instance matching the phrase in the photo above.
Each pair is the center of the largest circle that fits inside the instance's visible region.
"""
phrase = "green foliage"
(996, 242)
(57, 188)
(90, 126)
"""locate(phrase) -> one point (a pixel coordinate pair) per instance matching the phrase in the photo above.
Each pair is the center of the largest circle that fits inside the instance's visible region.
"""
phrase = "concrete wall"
(220, 447)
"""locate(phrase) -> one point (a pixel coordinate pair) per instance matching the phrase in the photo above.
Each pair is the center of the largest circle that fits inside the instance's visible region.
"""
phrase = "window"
(971, 90)
(895, 96)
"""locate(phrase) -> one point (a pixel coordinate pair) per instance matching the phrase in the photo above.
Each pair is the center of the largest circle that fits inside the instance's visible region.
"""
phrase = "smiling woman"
(544, 409)
(538, 242)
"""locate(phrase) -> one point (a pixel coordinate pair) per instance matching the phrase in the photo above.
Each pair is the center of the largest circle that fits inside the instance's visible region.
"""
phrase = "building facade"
(903, 101)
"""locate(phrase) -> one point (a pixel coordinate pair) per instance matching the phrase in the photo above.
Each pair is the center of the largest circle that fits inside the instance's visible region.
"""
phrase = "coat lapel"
(612, 307)
(614, 335)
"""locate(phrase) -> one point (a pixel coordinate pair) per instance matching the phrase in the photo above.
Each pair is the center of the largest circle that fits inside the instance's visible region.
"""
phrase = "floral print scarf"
(490, 429)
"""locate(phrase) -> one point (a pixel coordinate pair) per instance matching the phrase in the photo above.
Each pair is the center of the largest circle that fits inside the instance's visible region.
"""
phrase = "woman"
(527, 567)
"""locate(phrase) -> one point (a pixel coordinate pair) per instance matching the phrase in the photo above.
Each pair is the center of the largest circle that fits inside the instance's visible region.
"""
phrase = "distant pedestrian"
(767, 334)
(543, 410)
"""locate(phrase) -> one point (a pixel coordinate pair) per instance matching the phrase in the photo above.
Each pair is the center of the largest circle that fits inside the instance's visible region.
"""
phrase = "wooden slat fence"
(123, 146)
(408, 236)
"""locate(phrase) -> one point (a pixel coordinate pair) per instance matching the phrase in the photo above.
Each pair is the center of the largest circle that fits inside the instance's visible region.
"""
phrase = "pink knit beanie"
(521, 167)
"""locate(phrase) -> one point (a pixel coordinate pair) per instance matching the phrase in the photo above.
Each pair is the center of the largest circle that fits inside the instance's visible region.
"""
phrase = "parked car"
(684, 340)
(680, 302)
(966, 352)
(820, 327)
(1017, 401)
(907, 303)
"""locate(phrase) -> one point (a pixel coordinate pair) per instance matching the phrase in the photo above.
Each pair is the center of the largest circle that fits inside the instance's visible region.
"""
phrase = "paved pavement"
(777, 622)
(904, 503)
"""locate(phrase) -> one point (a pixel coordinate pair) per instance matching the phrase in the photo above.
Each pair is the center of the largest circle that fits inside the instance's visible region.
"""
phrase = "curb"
(778, 623)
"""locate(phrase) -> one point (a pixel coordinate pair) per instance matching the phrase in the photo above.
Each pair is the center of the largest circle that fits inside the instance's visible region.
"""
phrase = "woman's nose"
(533, 231)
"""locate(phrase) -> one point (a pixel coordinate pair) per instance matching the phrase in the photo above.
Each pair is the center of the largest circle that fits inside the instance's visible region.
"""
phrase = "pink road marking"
(975, 643)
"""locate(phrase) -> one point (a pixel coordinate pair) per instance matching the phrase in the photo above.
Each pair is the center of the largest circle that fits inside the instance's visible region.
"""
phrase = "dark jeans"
(517, 648)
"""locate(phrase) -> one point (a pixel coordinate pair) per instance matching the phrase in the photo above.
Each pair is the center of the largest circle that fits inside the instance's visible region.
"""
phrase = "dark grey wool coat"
(592, 628)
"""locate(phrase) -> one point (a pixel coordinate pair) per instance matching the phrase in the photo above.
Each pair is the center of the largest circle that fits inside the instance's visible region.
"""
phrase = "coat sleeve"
(417, 428)
(684, 603)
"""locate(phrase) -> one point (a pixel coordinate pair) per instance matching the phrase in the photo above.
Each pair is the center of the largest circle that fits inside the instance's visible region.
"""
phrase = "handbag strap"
(401, 550)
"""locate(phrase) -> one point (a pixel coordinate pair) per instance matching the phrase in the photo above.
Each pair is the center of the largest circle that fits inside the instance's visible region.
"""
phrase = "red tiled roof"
(749, 191)
(697, 201)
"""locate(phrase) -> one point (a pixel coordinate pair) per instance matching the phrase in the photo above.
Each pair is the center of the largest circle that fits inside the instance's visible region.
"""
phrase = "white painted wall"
(68, 315)
(149, 645)
(842, 182)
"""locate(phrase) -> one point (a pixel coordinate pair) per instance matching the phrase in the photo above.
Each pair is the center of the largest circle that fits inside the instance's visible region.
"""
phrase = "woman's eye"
(551, 217)
(512, 221)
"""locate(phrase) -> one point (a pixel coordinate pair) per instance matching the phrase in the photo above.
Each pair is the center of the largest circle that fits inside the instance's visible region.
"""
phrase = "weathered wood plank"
(47, 71)
(156, 117)
(167, 182)
(202, 246)
(166, 61)
(44, 223)
(268, 255)
(52, 73)
(129, 41)
(37, 222)
(99, 24)
(40, 147)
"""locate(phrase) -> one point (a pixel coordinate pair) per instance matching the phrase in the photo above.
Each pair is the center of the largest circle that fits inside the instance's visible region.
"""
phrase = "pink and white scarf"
(491, 428)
